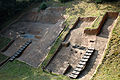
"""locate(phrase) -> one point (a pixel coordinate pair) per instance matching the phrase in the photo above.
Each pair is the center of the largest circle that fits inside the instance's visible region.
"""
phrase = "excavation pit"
(41, 27)
(73, 55)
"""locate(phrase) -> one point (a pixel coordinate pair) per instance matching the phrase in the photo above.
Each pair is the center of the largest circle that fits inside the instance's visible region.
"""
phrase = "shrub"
(43, 6)
(63, 1)
(98, 1)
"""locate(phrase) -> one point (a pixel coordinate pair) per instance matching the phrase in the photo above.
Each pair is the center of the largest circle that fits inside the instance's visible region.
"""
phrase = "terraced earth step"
(88, 54)
(80, 66)
(83, 63)
(75, 72)
(91, 48)
(78, 69)
(89, 51)
(18, 53)
(84, 60)
(73, 76)
(86, 57)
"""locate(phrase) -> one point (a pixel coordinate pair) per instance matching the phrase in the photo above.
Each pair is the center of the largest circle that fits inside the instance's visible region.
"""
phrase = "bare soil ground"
(38, 27)
(100, 45)
(78, 37)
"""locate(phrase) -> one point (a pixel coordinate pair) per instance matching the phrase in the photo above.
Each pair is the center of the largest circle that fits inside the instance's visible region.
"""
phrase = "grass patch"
(2, 57)
(52, 51)
(3, 42)
(96, 23)
(110, 67)
(20, 71)
(56, 45)
(42, 6)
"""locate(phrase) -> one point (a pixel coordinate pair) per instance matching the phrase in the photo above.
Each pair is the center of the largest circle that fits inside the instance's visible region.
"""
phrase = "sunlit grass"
(20, 71)
(110, 67)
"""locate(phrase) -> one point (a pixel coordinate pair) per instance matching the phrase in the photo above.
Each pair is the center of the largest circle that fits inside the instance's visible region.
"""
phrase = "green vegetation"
(2, 57)
(20, 71)
(96, 23)
(3, 42)
(52, 51)
(110, 67)
(63, 1)
(99, 1)
(10, 8)
(43, 6)
(56, 45)
(109, 70)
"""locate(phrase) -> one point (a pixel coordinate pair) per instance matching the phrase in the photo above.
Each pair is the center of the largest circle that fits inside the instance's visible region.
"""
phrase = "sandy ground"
(44, 34)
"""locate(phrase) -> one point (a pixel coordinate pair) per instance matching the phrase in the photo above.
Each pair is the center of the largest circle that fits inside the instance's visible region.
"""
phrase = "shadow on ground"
(89, 65)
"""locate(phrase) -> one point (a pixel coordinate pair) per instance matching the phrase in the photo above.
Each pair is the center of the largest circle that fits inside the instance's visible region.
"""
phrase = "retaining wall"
(59, 48)
(97, 30)
(112, 14)
(8, 45)
(87, 19)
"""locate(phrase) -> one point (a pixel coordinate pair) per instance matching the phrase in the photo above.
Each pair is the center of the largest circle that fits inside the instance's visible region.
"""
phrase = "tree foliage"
(43, 6)
(63, 1)
(105, 0)
(9, 8)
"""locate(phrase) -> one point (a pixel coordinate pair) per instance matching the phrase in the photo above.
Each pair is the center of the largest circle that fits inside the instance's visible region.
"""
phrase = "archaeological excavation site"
(82, 50)
(44, 41)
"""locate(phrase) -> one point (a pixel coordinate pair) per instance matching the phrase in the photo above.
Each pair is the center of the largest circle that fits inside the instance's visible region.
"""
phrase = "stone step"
(91, 48)
(75, 72)
(73, 76)
(86, 57)
(80, 66)
(83, 63)
(88, 54)
(78, 69)
(89, 51)
(17, 54)
(84, 60)
(19, 51)
(23, 47)
(12, 58)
